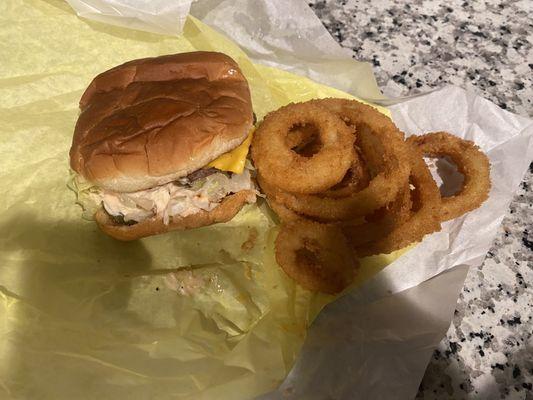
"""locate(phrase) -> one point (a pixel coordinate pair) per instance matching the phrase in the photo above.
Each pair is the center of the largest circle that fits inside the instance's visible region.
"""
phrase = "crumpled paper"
(277, 33)
(157, 16)
(288, 35)
(95, 322)
(204, 313)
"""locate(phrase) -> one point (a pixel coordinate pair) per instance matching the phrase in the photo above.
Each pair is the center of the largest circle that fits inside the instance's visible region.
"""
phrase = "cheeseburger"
(161, 145)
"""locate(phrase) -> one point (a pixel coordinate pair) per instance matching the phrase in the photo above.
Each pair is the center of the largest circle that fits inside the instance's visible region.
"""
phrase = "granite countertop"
(485, 46)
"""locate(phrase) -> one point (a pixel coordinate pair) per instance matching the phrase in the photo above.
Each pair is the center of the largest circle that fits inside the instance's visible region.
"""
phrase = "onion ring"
(363, 229)
(284, 214)
(372, 127)
(356, 179)
(470, 161)
(316, 256)
(307, 174)
(380, 222)
(386, 200)
(302, 140)
(425, 213)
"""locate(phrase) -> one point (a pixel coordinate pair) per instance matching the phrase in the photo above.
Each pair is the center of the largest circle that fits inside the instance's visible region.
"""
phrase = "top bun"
(151, 121)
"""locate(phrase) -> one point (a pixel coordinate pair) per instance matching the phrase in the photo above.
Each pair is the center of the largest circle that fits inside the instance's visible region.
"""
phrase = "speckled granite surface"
(487, 46)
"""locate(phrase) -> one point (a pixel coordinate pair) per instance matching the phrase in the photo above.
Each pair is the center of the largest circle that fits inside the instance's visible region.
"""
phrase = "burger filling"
(202, 190)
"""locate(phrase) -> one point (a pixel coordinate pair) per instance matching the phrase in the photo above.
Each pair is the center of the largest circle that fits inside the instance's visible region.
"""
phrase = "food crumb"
(250, 242)
(226, 256)
(248, 271)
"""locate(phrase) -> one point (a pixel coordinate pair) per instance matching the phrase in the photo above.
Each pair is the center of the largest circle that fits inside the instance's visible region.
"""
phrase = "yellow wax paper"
(83, 316)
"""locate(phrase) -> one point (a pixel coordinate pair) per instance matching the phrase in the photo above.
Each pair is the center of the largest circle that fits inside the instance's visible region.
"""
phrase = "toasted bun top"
(151, 121)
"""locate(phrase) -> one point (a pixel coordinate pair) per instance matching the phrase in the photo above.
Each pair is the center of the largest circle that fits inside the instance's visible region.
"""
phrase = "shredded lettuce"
(87, 195)
(166, 201)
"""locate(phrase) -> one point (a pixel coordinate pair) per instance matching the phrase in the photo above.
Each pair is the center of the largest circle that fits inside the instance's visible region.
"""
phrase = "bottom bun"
(227, 209)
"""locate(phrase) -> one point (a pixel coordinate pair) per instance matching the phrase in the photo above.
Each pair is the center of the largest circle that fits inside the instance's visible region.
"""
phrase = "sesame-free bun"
(225, 211)
(151, 121)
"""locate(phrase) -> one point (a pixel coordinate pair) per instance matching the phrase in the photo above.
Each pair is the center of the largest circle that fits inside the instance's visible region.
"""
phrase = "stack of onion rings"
(343, 180)
(374, 225)
(424, 217)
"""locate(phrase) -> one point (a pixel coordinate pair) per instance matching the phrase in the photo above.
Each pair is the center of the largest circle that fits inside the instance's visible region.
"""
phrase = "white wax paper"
(288, 35)
(156, 16)
(374, 342)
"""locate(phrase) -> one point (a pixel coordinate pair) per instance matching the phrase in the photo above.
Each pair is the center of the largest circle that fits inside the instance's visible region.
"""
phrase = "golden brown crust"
(317, 256)
(150, 121)
(470, 161)
(229, 207)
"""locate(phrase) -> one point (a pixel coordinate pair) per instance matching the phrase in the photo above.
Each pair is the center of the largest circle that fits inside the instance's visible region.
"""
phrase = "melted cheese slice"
(234, 160)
